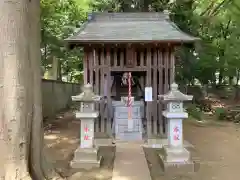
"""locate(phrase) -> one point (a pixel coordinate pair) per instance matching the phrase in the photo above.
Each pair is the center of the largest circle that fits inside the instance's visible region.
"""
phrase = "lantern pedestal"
(175, 151)
(176, 159)
(86, 156)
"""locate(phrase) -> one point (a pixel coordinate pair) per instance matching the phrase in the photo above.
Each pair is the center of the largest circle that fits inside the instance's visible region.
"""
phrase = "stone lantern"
(174, 152)
(86, 156)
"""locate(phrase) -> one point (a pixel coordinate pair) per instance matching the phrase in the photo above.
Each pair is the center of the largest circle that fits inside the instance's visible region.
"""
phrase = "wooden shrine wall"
(156, 61)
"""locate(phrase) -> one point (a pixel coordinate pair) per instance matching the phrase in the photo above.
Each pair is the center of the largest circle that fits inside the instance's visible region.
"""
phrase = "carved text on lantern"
(176, 133)
(86, 137)
(86, 130)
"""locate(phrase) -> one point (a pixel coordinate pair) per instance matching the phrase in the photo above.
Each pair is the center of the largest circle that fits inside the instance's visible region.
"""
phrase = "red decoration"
(86, 137)
(176, 137)
(176, 129)
(86, 129)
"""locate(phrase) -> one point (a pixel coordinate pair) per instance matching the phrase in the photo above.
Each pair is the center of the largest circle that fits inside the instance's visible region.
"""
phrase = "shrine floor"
(217, 147)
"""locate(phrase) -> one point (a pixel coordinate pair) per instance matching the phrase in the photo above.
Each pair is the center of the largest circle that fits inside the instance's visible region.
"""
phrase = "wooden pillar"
(90, 65)
(172, 66)
(85, 66)
(141, 58)
(141, 80)
(115, 59)
(166, 85)
(160, 89)
(102, 82)
(148, 84)
(155, 93)
(122, 57)
(109, 102)
(97, 89)
(166, 67)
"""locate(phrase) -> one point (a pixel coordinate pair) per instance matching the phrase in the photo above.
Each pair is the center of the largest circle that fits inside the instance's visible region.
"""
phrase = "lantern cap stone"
(87, 95)
(175, 95)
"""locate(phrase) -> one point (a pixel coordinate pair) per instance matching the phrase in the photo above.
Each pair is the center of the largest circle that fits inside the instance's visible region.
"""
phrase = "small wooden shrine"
(118, 43)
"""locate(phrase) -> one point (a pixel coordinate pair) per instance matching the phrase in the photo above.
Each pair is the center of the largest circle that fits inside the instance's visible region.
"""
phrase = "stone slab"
(103, 142)
(121, 112)
(86, 164)
(130, 162)
(120, 128)
(175, 168)
(129, 136)
(86, 154)
(173, 156)
(160, 143)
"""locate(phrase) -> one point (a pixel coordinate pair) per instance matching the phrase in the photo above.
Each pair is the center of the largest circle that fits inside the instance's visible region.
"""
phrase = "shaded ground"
(62, 138)
(216, 145)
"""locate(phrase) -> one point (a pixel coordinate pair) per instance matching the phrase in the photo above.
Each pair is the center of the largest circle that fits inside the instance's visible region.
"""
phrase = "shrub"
(221, 113)
(194, 112)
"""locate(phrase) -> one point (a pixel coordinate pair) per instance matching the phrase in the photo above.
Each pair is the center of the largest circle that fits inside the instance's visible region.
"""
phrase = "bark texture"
(15, 72)
(20, 93)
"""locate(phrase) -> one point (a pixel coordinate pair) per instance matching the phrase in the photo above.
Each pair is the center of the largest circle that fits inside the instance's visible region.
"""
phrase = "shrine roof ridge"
(103, 27)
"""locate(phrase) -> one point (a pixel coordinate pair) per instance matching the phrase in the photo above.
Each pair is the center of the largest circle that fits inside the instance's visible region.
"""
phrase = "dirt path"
(217, 147)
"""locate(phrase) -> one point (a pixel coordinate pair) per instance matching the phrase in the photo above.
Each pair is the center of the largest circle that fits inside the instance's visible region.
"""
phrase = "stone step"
(86, 164)
(129, 136)
(122, 129)
(86, 154)
(172, 155)
(176, 168)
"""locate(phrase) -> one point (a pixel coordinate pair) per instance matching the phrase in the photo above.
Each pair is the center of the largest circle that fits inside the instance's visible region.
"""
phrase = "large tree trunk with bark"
(15, 71)
(20, 93)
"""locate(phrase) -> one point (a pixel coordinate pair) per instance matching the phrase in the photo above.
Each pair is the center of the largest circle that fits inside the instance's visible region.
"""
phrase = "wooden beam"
(132, 69)
(155, 92)
(160, 89)
(166, 86)
(109, 102)
(115, 59)
(141, 80)
(166, 67)
(97, 88)
(90, 65)
(148, 84)
(122, 58)
(172, 66)
(85, 66)
(102, 82)
(141, 59)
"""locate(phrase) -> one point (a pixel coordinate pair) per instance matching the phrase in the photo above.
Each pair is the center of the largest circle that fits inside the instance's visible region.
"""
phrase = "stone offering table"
(120, 121)
(175, 155)
(86, 155)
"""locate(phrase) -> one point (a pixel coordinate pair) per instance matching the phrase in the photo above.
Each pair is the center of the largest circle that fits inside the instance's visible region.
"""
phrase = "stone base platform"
(161, 142)
(177, 163)
(103, 142)
(177, 167)
(86, 158)
(175, 155)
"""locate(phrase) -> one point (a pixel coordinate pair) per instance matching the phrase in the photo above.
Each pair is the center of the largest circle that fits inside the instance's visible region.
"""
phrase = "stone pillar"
(86, 155)
(175, 155)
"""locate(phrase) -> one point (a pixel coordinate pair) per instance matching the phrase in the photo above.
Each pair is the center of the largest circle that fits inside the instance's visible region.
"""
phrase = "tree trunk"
(15, 71)
(40, 169)
(20, 93)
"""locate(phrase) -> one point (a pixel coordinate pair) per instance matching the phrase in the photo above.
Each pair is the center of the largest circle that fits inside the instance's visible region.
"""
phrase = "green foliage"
(221, 113)
(214, 60)
(194, 112)
(59, 20)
